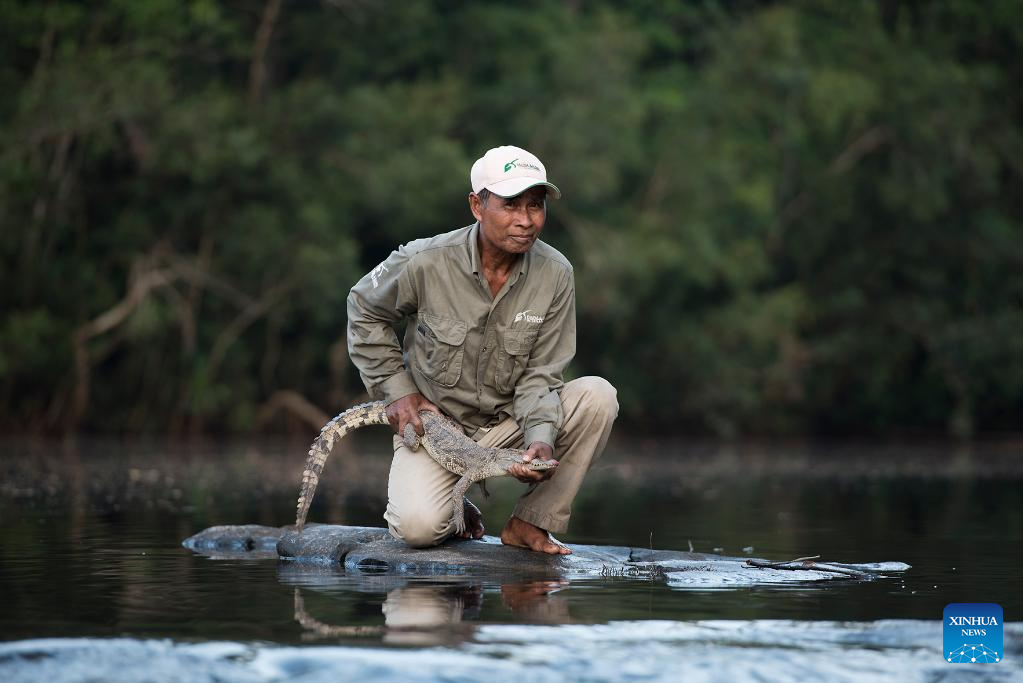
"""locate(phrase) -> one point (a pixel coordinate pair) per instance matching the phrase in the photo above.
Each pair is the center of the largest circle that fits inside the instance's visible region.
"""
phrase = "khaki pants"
(419, 490)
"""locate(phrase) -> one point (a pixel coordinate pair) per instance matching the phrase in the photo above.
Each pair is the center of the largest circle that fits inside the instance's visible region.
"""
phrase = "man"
(491, 327)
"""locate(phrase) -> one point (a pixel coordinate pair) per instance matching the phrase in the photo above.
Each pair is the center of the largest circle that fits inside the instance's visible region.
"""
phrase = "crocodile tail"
(332, 432)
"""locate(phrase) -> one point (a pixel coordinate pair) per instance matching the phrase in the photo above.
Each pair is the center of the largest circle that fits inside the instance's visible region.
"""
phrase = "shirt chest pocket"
(439, 348)
(513, 357)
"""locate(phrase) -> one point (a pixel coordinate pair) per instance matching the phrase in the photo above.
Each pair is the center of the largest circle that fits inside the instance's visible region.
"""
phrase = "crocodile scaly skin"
(443, 440)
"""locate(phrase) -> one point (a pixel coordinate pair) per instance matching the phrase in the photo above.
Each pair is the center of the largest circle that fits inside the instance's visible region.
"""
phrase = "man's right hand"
(406, 411)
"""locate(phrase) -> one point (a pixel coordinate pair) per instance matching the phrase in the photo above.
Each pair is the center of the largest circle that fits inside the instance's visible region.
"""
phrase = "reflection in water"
(424, 614)
(323, 630)
(536, 600)
(436, 614)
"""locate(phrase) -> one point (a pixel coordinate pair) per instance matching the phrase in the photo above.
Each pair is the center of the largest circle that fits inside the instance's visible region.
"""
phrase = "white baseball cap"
(509, 171)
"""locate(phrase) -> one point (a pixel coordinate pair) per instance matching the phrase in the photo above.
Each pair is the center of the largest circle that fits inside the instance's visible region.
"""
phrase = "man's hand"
(406, 411)
(537, 449)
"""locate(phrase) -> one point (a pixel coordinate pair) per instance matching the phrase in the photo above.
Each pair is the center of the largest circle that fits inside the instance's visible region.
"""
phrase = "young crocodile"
(443, 440)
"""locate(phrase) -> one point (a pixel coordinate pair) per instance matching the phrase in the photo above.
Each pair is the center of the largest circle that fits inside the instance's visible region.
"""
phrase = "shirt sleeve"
(380, 299)
(537, 404)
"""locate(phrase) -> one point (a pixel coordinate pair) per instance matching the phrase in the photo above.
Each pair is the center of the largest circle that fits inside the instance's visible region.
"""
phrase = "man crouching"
(491, 327)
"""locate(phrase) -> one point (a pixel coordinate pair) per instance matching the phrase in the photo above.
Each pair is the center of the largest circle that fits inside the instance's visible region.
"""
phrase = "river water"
(98, 588)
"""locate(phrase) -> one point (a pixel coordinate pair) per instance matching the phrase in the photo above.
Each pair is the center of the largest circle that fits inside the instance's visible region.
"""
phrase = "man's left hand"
(537, 450)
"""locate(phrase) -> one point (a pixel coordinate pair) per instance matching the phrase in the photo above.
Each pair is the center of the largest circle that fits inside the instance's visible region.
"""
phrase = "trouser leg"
(590, 406)
(418, 498)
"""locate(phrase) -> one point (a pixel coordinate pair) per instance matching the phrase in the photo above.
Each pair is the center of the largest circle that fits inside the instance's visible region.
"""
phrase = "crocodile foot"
(471, 520)
(411, 439)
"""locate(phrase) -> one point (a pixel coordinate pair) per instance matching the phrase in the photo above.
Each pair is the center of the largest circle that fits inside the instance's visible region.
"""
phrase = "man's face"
(511, 225)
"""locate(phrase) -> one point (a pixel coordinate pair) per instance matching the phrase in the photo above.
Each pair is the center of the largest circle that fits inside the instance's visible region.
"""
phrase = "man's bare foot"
(473, 521)
(525, 535)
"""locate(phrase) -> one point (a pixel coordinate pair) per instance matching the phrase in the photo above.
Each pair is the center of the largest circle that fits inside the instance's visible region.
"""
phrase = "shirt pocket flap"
(520, 342)
(447, 330)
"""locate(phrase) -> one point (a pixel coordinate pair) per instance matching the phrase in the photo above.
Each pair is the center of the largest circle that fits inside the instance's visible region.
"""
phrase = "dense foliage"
(784, 216)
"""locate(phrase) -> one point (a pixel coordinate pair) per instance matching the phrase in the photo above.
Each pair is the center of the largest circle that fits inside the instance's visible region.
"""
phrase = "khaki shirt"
(476, 356)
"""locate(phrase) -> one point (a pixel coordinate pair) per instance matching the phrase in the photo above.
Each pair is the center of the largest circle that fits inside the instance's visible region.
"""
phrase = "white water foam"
(726, 573)
(838, 652)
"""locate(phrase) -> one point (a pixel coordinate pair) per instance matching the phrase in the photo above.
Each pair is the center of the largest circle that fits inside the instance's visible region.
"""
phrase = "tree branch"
(295, 404)
(140, 285)
(257, 68)
(863, 145)
(250, 314)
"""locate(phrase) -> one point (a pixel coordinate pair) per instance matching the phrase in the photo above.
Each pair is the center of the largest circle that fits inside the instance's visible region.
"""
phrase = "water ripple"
(777, 650)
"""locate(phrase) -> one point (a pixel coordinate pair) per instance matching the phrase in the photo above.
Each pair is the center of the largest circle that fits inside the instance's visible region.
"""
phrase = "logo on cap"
(514, 163)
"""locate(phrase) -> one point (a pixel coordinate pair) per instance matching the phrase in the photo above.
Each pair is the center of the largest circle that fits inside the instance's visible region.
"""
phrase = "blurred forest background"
(786, 217)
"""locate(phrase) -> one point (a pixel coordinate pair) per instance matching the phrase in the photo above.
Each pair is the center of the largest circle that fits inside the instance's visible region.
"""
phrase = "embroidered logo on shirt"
(524, 315)
(376, 273)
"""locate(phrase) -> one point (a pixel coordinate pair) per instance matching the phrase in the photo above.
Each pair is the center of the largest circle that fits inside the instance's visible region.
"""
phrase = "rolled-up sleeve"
(380, 299)
(537, 403)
